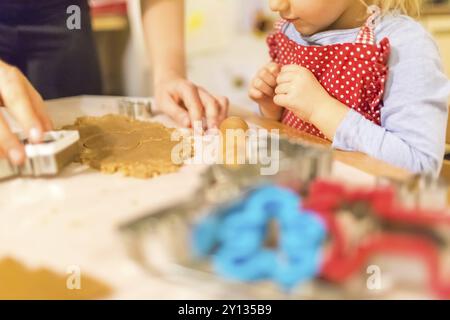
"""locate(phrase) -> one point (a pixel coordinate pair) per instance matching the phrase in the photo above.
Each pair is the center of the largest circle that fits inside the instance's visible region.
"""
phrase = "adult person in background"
(58, 56)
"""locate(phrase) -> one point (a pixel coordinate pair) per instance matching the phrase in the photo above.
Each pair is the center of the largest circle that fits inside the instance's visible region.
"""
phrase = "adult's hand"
(26, 106)
(187, 103)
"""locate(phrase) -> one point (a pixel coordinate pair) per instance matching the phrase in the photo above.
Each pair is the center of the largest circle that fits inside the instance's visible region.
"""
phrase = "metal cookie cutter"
(421, 191)
(48, 158)
(136, 108)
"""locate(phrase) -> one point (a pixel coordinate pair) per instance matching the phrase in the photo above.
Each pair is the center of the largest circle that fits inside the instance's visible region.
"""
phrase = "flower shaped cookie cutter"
(236, 239)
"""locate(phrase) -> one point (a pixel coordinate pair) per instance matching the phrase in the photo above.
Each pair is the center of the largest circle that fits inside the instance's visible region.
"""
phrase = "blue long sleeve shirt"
(414, 115)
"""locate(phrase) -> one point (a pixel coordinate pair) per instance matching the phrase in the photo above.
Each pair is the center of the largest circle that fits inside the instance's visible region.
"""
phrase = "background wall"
(224, 46)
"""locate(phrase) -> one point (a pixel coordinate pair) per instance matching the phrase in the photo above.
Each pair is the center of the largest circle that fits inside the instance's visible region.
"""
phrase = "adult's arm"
(175, 95)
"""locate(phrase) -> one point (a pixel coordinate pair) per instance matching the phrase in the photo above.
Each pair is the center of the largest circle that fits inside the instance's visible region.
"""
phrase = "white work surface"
(72, 219)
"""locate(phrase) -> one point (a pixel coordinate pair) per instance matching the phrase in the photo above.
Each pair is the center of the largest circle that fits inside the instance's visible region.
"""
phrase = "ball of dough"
(233, 123)
(233, 141)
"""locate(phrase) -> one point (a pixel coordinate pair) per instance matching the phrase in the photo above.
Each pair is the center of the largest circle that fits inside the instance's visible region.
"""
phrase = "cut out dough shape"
(115, 143)
(113, 140)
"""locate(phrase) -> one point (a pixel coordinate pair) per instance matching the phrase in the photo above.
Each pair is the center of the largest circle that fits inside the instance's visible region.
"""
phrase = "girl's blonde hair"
(408, 7)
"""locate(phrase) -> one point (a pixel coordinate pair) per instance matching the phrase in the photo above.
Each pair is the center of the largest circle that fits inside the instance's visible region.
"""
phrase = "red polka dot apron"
(353, 73)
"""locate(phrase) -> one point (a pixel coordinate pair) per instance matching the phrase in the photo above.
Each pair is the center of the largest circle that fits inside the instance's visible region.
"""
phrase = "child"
(359, 73)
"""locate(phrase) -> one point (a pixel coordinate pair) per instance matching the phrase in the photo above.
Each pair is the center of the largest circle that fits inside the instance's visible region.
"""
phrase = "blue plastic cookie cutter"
(238, 235)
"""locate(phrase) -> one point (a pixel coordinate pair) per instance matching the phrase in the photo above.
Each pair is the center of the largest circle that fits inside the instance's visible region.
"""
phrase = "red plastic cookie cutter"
(398, 231)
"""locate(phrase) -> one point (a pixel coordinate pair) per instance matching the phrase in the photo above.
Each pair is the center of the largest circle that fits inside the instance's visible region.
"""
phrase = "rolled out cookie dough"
(115, 143)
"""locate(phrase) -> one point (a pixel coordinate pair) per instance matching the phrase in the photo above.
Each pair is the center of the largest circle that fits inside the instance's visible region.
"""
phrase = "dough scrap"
(114, 143)
(20, 282)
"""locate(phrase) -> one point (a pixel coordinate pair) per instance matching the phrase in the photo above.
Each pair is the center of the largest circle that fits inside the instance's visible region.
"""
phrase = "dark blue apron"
(58, 61)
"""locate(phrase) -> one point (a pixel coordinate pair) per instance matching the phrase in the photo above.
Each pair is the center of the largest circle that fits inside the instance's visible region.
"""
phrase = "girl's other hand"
(26, 105)
(262, 90)
(299, 91)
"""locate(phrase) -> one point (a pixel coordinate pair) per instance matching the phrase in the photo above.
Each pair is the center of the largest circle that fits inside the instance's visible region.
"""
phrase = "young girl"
(359, 73)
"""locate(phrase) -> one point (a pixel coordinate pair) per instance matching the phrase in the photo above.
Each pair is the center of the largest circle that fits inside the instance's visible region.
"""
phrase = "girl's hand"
(186, 103)
(299, 91)
(26, 105)
(262, 90)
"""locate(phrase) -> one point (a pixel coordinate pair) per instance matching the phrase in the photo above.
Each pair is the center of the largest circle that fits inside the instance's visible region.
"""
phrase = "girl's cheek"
(310, 12)
(279, 5)
(311, 8)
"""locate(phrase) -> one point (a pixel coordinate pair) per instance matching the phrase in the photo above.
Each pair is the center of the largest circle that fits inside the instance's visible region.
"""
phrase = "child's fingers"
(262, 86)
(281, 100)
(255, 94)
(268, 77)
(291, 68)
(283, 88)
(285, 77)
(273, 68)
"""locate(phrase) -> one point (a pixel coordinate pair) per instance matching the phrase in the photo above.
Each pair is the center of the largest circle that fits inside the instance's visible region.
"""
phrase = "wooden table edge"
(357, 160)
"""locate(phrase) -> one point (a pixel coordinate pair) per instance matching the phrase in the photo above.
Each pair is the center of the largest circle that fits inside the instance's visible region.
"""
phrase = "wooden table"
(358, 160)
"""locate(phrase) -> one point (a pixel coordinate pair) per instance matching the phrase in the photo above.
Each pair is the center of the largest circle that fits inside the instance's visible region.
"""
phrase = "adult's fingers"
(174, 110)
(212, 108)
(191, 99)
(40, 108)
(224, 106)
(16, 98)
(10, 145)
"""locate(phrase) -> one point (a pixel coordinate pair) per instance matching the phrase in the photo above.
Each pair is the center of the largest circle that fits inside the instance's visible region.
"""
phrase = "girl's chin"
(305, 30)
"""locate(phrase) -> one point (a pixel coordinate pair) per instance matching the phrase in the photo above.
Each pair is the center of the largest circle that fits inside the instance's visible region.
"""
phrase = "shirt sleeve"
(414, 115)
